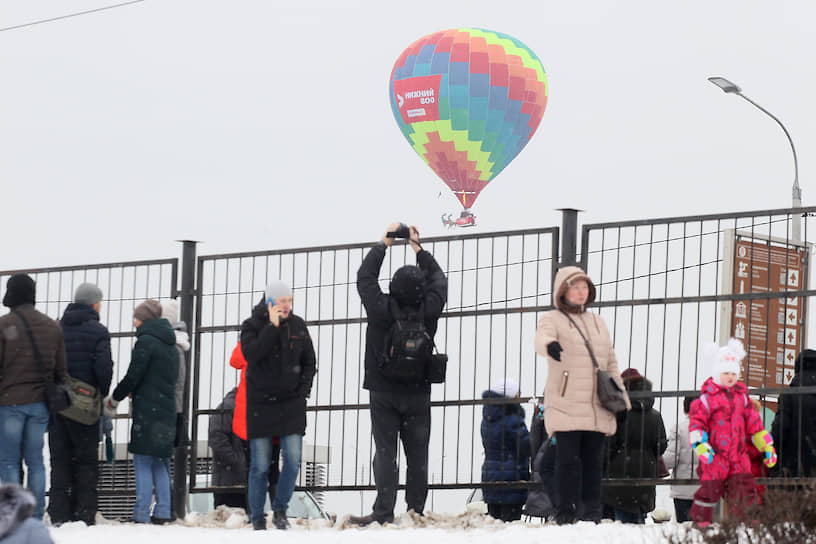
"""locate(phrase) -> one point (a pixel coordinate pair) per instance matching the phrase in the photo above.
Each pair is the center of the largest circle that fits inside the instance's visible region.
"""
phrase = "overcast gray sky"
(255, 125)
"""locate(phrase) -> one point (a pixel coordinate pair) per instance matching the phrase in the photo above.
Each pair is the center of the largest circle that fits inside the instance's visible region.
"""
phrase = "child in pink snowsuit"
(719, 423)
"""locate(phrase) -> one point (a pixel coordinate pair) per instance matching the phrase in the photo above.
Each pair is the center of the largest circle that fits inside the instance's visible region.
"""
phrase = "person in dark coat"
(151, 381)
(229, 458)
(506, 442)
(633, 452)
(74, 445)
(281, 366)
(23, 412)
(399, 411)
(17, 522)
(794, 427)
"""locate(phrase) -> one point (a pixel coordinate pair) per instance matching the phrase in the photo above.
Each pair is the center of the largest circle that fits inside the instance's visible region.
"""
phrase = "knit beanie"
(147, 310)
(725, 359)
(87, 293)
(20, 289)
(170, 311)
(508, 388)
(408, 285)
(277, 289)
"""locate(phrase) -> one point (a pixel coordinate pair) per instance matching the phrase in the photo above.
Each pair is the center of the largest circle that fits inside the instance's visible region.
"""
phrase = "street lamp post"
(732, 88)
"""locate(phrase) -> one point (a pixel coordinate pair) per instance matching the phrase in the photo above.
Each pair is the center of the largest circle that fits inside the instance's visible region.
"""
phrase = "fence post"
(569, 236)
(188, 262)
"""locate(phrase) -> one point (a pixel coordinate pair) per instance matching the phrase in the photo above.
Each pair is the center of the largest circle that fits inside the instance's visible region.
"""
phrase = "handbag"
(57, 394)
(86, 406)
(610, 392)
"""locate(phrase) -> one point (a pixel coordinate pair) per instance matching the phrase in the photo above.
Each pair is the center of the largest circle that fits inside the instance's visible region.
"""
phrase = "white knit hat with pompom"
(725, 359)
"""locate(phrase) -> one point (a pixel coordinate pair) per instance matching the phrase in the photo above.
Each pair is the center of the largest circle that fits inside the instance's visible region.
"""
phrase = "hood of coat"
(639, 383)
(496, 412)
(16, 505)
(563, 278)
(228, 403)
(182, 338)
(77, 314)
(158, 328)
(237, 360)
(711, 388)
(806, 361)
(805, 378)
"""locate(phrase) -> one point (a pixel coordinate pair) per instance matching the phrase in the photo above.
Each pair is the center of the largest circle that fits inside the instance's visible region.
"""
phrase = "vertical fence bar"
(188, 266)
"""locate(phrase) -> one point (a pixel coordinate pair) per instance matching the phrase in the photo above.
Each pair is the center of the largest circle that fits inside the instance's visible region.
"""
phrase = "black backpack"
(408, 346)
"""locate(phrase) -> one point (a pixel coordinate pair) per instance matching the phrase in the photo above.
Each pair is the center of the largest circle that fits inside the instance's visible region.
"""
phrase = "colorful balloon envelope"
(468, 100)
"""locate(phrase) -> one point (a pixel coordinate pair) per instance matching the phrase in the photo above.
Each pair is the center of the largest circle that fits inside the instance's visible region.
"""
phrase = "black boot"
(259, 524)
(280, 521)
(362, 521)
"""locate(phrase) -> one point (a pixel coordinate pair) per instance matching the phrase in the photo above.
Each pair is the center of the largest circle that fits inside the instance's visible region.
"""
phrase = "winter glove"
(554, 350)
(109, 406)
(763, 441)
(699, 443)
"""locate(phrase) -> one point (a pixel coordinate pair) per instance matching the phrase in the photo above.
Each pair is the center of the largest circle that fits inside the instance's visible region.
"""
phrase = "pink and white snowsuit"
(727, 418)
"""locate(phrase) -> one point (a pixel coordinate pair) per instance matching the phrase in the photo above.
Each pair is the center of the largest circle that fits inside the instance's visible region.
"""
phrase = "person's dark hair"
(687, 402)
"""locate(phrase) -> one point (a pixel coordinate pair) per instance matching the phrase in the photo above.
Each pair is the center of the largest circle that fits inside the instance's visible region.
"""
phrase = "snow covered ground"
(226, 525)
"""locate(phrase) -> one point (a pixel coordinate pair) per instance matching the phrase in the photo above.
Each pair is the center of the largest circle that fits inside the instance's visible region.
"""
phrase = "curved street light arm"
(797, 191)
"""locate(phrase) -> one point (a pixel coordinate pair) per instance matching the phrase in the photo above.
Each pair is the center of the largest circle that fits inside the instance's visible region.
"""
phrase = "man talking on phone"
(280, 368)
(400, 401)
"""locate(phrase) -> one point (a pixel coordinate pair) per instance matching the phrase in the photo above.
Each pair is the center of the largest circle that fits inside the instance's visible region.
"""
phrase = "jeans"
(261, 450)
(22, 428)
(152, 477)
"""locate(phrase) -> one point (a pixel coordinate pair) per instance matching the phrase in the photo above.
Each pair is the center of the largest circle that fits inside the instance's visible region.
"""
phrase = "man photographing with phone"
(400, 367)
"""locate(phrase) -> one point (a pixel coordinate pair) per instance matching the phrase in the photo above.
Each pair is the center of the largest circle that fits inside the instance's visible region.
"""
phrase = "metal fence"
(125, 285)
(665, 287)
(498, 282)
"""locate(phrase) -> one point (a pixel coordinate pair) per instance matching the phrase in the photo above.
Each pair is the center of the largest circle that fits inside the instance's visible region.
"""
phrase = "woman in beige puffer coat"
(573, 412)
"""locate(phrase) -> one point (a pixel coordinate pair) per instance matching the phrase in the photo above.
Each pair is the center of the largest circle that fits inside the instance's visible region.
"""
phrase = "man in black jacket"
(794, 428)
(23, 412)
(280, 368)
(73, 445)
(398, 410)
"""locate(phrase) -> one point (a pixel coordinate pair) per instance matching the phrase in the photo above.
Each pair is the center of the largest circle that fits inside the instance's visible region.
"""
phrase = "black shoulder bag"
(57, 395)
(610, 393)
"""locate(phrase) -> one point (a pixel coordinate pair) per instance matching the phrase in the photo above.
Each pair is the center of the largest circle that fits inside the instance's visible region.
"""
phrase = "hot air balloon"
(468, 100)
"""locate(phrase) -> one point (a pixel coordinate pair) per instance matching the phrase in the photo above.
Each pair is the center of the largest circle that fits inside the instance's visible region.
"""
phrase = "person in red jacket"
(239, 424)
(721, 422)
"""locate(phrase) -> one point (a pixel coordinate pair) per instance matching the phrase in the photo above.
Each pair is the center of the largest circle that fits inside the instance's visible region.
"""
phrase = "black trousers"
(405, 417)
(505, 512)
(74, 470)
(578, 472)
(682, 509)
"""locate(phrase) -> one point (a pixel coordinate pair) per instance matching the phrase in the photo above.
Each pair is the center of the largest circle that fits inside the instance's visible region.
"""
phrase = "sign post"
(771, 329)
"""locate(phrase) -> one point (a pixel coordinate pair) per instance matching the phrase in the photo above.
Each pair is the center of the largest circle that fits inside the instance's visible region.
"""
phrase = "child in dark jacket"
(506, 442)
(721, 422)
